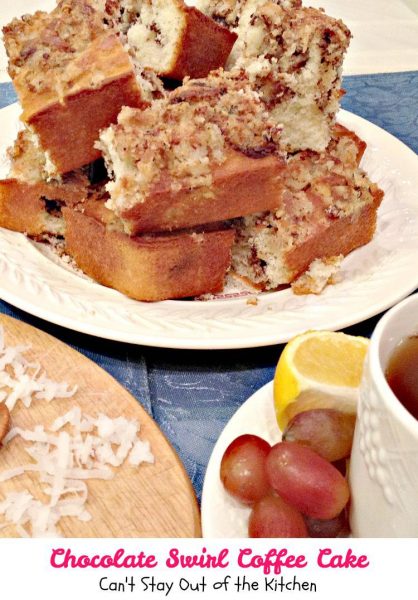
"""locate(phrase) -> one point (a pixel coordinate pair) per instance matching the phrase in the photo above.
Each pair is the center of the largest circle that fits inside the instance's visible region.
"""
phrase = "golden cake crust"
(149, 268)
(204, 46)
(338, 237)
(240, 186)
(68, 120)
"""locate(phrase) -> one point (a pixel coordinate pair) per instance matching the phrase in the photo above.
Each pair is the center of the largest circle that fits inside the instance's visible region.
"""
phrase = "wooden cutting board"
(147, 501)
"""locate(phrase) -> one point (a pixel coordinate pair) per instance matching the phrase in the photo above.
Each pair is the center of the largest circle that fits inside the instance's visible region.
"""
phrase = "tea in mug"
(402, 374)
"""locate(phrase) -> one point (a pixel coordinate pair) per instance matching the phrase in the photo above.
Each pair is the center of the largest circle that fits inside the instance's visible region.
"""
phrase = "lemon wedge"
(318, 369)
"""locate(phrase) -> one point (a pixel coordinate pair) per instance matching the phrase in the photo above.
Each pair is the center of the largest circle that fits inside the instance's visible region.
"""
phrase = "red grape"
(331, 528)
(306, 480)
(243, 468)
(272, 517)
(329, 432)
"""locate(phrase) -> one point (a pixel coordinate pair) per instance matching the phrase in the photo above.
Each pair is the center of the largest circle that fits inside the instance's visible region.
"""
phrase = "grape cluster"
(297, 488)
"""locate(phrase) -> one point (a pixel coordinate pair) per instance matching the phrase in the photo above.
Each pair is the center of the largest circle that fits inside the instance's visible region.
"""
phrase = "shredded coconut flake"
(141, 452)
(76, 448)
(64, 460)
(25, 381)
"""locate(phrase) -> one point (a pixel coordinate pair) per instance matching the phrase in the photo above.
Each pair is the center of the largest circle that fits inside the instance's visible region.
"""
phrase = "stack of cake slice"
(237, 167)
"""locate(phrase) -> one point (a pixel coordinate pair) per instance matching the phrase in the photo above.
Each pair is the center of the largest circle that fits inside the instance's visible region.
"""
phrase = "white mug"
(384, 459)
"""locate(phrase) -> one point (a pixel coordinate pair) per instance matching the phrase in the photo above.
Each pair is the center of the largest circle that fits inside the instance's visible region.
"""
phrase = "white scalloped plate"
(374, 277)
(222, 516)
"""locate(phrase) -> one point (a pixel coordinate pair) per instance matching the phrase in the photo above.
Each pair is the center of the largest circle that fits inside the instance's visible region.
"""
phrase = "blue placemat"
(192, 395)
(389, 100)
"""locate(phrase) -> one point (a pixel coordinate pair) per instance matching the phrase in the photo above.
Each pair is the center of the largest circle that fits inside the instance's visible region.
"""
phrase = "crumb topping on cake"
(293, 58)
(179, 140)
(237, 13)
(45, 50)
(45, 43)
(231, 102)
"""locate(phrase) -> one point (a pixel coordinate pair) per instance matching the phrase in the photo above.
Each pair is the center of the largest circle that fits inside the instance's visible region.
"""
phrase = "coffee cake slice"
(72, 76)
(176, 40)
(208, 152)
(293, 56)
(149, 267)
(31, 205)
(329, 208)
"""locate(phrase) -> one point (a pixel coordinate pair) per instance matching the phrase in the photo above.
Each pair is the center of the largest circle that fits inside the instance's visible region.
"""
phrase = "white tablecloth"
(385, 31)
